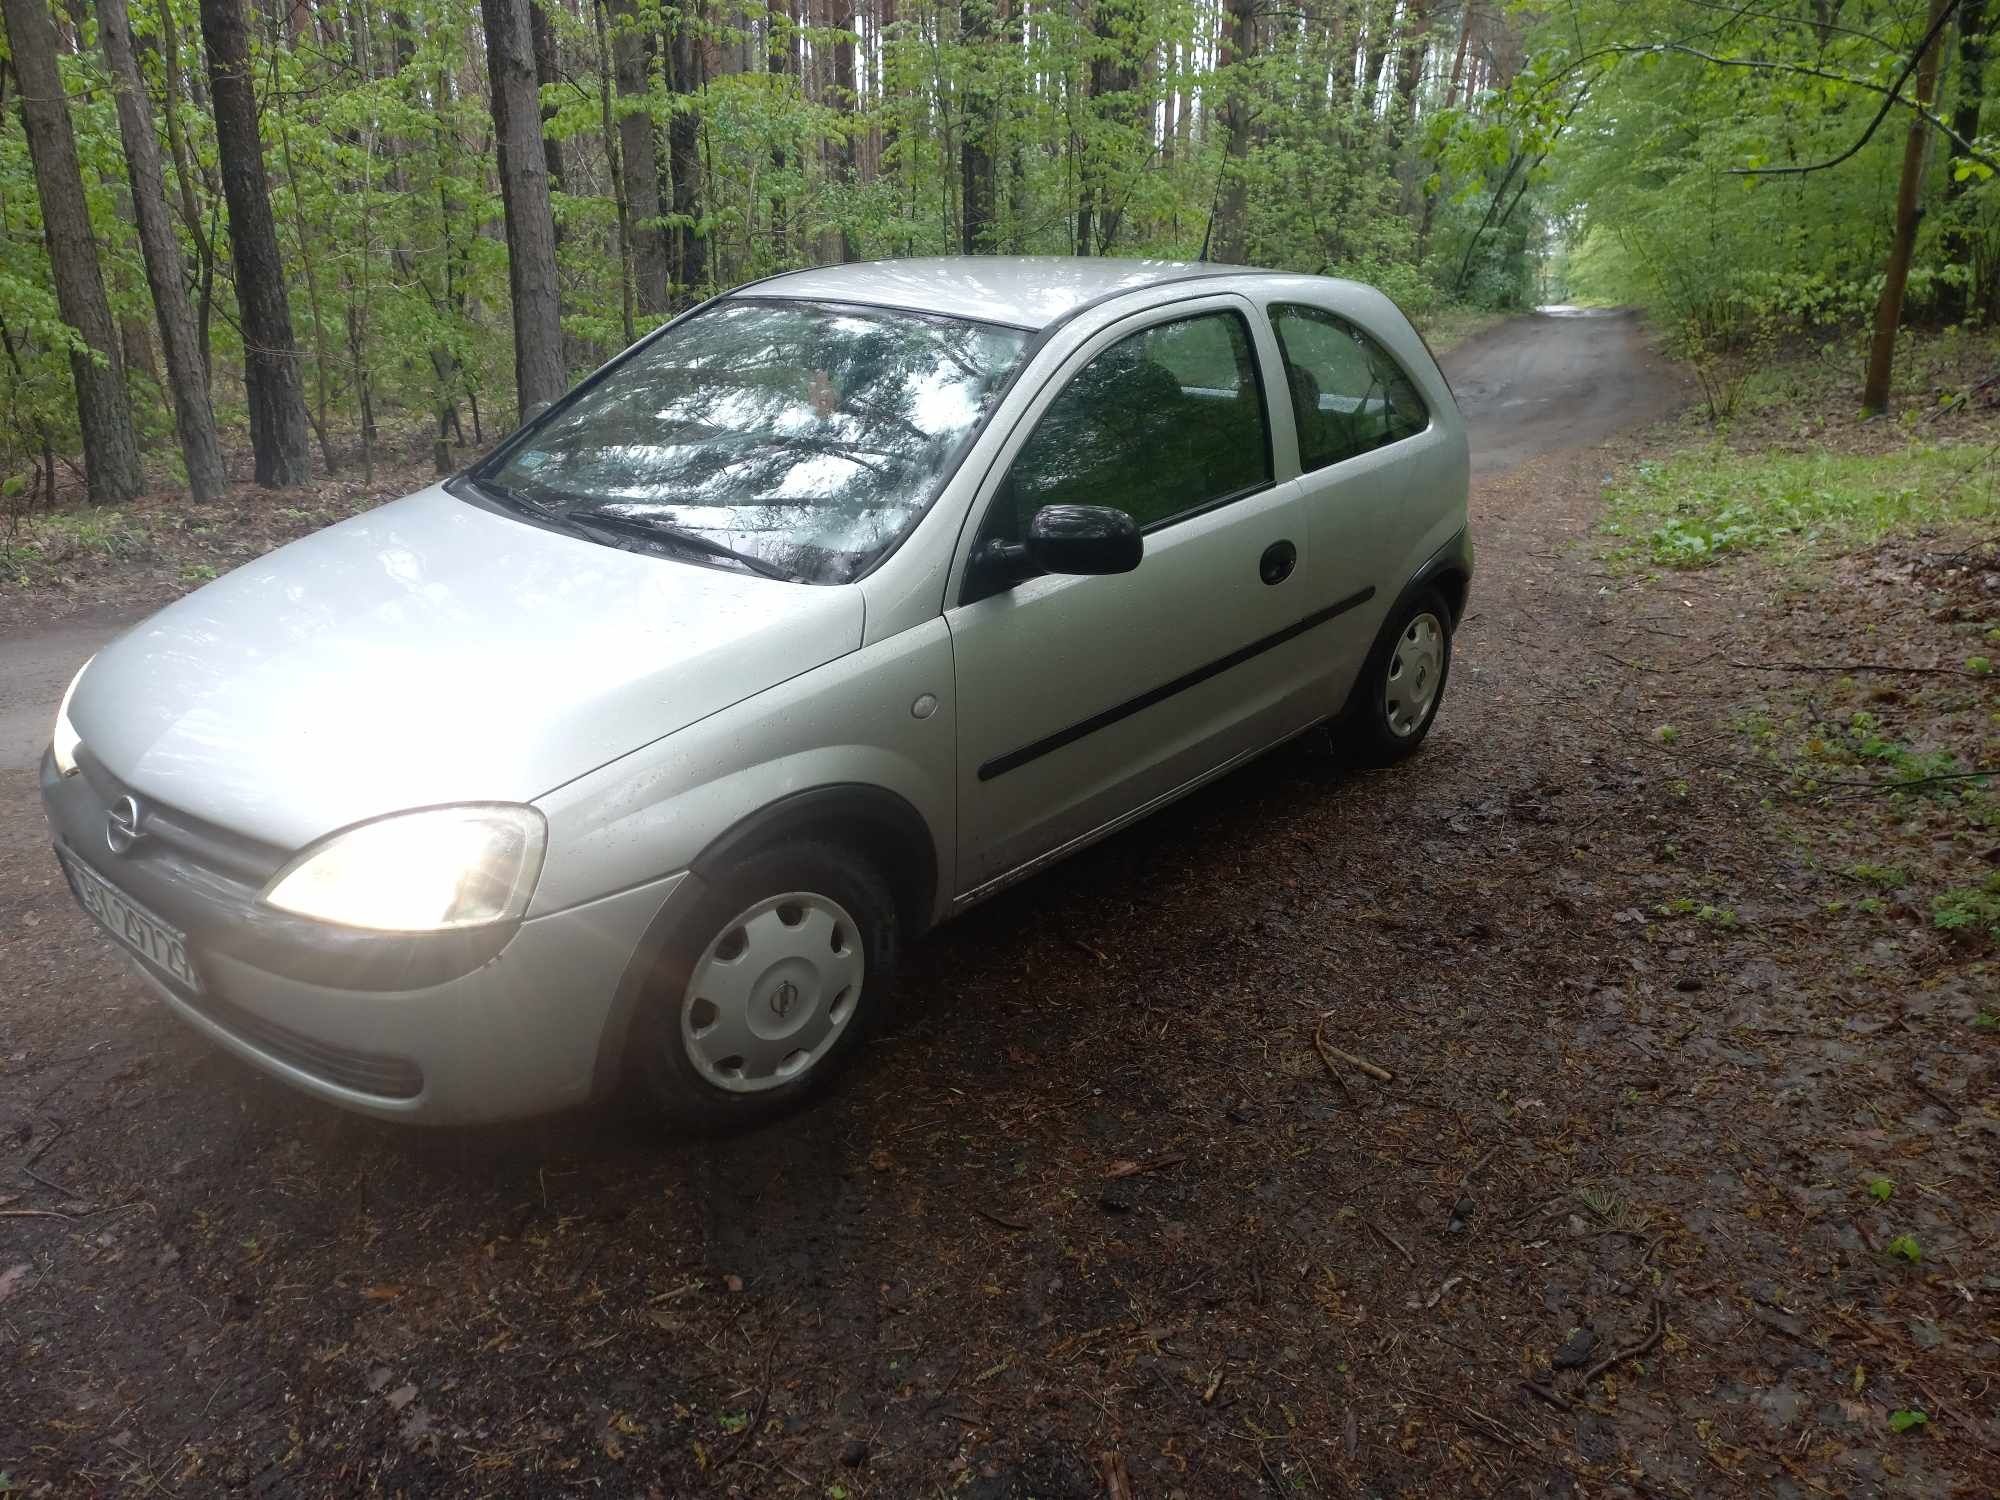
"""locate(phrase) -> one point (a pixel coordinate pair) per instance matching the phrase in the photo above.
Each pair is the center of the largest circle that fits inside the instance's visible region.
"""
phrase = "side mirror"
(1083, 539)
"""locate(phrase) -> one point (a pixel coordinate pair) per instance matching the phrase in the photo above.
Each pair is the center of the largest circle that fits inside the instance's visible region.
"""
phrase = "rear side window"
(1165, 422)
(1348, 395)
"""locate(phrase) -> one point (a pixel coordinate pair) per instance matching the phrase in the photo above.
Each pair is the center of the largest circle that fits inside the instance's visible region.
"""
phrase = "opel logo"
(122, 825)
(783, 998)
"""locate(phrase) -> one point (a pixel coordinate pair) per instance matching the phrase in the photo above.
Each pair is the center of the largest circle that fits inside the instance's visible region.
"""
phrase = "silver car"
(638, 750)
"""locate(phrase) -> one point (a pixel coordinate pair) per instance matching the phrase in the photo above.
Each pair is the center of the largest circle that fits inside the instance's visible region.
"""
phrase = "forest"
(298, 232)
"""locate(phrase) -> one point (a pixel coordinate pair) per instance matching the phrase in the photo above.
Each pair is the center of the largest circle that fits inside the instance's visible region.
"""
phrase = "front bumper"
(386, 1024)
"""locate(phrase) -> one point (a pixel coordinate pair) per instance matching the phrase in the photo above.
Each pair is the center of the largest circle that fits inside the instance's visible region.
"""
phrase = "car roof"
(1027, 291)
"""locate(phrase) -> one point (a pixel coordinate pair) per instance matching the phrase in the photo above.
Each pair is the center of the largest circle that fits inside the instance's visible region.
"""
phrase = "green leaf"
(1881, 1188)
(1905, 1247)
(1903, 1421)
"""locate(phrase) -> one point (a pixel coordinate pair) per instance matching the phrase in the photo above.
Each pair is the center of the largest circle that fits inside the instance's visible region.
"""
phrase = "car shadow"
(792, 1202)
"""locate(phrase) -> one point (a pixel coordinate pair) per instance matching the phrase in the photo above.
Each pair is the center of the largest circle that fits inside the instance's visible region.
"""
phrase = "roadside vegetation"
(1690, 509)
(1863, 697)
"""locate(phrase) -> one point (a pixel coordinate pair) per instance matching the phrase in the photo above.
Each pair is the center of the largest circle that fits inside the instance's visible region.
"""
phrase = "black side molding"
(1013, 760)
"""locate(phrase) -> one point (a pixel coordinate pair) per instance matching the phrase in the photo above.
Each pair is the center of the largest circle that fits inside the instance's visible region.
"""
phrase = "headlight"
(65, 739)
(419, 871)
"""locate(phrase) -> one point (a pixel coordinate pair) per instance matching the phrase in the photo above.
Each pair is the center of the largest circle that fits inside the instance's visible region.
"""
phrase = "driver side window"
(1167, 421)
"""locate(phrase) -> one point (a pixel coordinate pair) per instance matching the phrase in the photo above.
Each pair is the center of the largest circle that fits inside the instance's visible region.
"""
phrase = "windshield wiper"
(678, 536)
(592, 524)
(521, 505)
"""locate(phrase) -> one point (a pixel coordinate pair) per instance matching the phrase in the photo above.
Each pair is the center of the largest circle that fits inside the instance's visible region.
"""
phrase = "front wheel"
(768, 987)
(1396, 697)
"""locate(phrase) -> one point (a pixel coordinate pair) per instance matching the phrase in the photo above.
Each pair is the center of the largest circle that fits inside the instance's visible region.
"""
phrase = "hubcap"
(773, 992)
(1415, 669)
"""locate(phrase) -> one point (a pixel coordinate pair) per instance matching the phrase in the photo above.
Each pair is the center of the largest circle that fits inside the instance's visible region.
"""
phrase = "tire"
(1395, 700)
(795, 1012)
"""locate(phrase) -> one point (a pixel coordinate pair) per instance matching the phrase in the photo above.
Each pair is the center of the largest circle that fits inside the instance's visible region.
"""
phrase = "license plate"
(162, 946)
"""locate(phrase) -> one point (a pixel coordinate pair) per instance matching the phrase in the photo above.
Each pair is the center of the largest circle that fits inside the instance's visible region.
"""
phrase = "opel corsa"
(638, 749)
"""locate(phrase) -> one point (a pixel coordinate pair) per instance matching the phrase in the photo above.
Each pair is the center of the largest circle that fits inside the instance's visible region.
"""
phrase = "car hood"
(431, 651)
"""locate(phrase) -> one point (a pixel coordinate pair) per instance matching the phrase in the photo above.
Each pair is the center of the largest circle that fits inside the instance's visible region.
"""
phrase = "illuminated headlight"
(65, 740)
(424, 871)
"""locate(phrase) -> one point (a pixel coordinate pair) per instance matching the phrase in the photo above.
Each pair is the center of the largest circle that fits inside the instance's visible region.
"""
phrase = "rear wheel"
(768, 987)
(1395, 699)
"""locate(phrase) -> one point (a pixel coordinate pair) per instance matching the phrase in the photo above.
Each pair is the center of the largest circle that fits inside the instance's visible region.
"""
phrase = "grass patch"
(1970, 906)
(1688, 510)
(1447, 326)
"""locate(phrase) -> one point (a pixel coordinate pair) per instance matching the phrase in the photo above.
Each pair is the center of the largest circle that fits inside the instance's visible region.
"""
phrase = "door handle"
(1276, 565)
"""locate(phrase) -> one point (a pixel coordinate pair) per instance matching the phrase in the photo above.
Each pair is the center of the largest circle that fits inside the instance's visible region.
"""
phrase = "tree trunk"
(548, 71)
(1896, 274)
(1451, 92)
(180, 339)
(777, 63)
(103, 409)
(270, 360)
(1231, 227)
(204, 245)
(975, 155)
(690, 61)
(639, 156)
(301, 232)
(1409, 72)
(1112, 82)
(847, 102)
(613, 161)
(1955, 299)
(524, 195)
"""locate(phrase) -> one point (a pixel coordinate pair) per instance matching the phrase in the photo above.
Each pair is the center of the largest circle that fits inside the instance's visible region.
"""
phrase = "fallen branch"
(1561, 1402)
(1877, 788)
(54, 1186)
(1133, 1168)
(1487, 1426)
(1328, 1052)
(1001, 1219)
(763, 1404)
(1887, 668)
(43, 1150)
(1554, 1398)
(1633, 1351)
(1117, 1480)
(1465, 1177)
(1393, 1243)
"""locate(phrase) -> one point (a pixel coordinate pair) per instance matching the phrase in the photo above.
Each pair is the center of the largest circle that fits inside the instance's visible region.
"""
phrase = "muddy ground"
(1098, 1205)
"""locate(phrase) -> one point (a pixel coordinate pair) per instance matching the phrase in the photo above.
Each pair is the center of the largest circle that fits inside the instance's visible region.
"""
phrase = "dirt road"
(1097, 1192)
(34, 670)
(1538, 384)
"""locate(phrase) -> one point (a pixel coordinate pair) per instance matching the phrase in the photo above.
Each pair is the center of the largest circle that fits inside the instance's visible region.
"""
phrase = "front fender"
(849, 723)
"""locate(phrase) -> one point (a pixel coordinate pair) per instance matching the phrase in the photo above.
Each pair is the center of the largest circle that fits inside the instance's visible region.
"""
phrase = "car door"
(1086, 699)
(1373, 472)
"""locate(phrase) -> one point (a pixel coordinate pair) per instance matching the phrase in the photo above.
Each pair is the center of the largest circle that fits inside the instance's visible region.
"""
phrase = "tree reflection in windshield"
(805, 434)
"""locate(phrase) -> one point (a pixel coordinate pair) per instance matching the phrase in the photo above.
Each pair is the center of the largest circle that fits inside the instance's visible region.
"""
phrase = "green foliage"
(1889, 877)
(1969, 908)
(1104, 126)
(1689, 510)
(1722, 918)
(1881, 1189)
(1658, 178)
(1904, 1420)
(1905, 1248)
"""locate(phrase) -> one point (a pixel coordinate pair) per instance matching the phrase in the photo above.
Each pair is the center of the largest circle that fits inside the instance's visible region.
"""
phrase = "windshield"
(808, 437)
